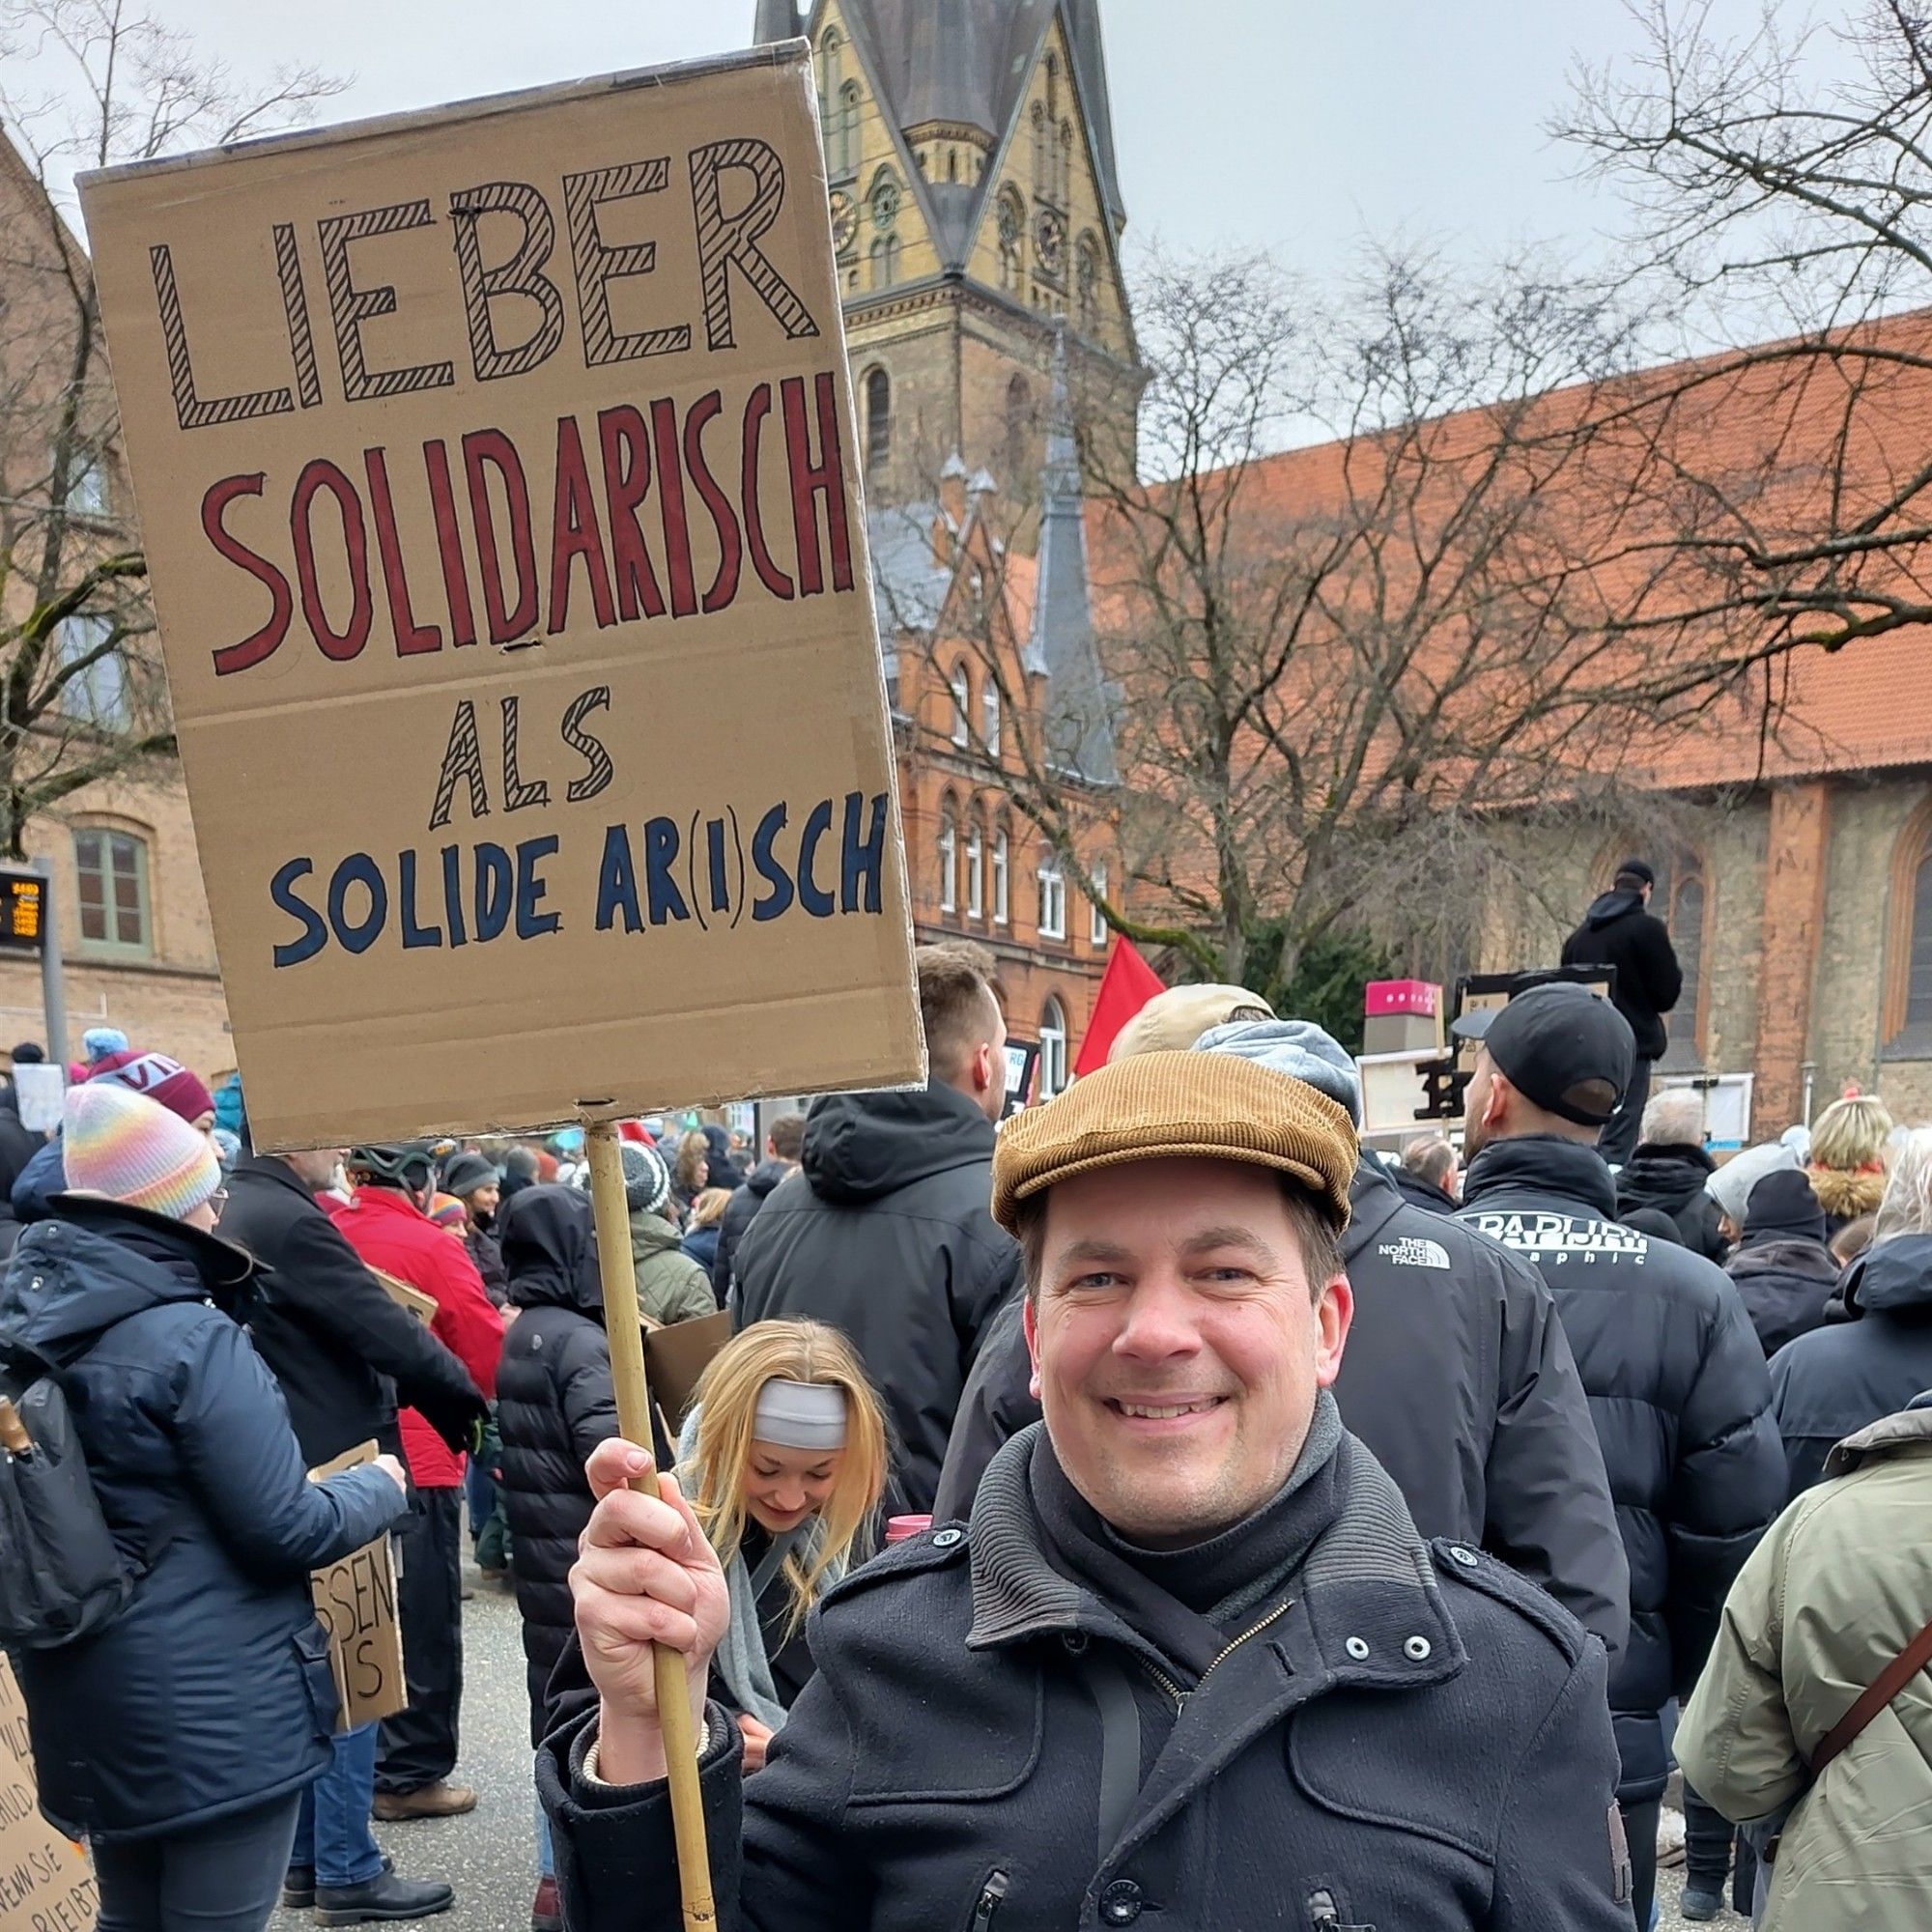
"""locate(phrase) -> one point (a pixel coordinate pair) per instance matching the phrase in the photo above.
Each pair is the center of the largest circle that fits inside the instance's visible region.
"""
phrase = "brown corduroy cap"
(1179, 1106)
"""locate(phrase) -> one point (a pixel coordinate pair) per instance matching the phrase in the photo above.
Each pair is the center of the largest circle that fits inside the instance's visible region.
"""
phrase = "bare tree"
(1331, 672)
(1771, 491)
(88, 82)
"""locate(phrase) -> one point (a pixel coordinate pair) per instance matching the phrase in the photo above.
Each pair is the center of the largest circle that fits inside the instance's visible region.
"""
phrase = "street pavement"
(490, 1856)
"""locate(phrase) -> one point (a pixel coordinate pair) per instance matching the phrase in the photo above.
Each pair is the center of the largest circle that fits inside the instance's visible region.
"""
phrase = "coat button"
(1416, 1649)
(1357, 1648)
(947, 1538)
(1120, 1902)
(1468, 1558)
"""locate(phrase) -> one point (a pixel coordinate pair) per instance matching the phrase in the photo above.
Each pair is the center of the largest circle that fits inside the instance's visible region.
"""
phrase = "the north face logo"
(1411, 1252)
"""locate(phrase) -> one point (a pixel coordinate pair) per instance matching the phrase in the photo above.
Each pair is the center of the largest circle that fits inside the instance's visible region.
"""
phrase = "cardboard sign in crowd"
(46, 1884)
(356, 1601)
(500, 489)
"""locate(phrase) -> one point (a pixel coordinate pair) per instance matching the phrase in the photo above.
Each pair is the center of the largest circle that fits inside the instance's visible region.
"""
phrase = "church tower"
(977, 214)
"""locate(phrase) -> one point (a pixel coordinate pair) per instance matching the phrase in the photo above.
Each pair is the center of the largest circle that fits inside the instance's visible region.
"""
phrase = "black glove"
(457, 1419)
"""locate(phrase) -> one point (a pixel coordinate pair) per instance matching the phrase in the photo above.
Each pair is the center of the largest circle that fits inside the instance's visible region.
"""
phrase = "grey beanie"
(1731, 1188)
(646, 1178)
(1299, 1048)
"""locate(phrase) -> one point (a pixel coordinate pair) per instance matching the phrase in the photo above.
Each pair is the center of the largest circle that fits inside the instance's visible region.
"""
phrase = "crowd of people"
(1046, 1474)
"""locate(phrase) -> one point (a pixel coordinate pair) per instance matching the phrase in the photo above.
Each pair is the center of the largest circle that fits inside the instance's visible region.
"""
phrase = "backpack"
(62, 1577)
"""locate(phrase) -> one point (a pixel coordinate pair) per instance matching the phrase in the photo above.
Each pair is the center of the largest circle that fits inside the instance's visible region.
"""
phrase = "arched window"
(1012, 231)
(1042, 133)
(831, 66)
(1053, 86)
(1065, 155)
(989, 718)
(948, 858)
(878, 417)
(961, 686)
(1052, 1049)
(1052, 898)
(1019, 420)
(1681, 898)
(884, 257)
(952, 164)
(1087, 279)
(1002, 876)
(111, 870)
(843, 143)
(1906, 1027)
(976, 870)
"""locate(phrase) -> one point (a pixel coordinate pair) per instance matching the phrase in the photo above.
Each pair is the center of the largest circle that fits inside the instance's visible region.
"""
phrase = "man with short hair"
(784, 1142)
(1190, 1659)
(884, 1232)
(1427, 1174)
(1676, 1381)
(387, 1222)
(1619, 931)
(344, 1351)
(1669, 1170)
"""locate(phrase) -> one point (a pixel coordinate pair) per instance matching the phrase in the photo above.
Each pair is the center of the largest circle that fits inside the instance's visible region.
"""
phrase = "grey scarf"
(741, 1660)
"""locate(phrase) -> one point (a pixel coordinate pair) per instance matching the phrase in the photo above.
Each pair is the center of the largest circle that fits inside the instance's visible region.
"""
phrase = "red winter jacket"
(390, 1233)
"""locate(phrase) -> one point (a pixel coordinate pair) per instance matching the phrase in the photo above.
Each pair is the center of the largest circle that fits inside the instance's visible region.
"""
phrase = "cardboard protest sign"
(356, 1599)
(499, 490)
(46, 1884)
(411, 1300)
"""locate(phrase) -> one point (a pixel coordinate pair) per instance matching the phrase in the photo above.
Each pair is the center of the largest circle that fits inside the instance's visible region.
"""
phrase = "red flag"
(1127, 984)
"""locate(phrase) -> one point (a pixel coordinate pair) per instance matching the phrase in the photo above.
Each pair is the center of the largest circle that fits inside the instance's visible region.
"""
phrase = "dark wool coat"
(740, 1212)
(1671, 1179)
(1784, 1286)
(343, 1350)
(1423, 1731)
(1682, 1404)
(554, 1405)
(211, 1693)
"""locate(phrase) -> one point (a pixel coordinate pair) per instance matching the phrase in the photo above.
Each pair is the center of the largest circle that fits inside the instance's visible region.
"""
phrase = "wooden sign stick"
(626, 1335)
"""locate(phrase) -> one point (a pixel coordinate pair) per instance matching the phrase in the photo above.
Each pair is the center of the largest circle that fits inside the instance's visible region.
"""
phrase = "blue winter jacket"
(210, 1691)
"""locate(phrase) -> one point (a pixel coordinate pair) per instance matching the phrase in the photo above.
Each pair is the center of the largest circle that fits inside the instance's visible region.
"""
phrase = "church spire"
(776, 20)
(1079, 707)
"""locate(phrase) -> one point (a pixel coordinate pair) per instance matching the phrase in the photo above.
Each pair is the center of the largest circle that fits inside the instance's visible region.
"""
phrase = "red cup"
(903, 1528)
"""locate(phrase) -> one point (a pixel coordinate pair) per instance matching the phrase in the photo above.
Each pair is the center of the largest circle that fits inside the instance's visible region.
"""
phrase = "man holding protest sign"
(1190, 1624)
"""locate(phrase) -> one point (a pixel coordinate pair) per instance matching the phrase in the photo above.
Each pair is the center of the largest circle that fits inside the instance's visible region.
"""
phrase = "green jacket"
(671, 1285)
(1840, 1583)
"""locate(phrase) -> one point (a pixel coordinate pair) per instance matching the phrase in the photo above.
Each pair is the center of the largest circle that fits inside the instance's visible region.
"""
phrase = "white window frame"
(1051, 899)
(1052, 1048)
(1002, 878)
(989, 715)
(948, 864)
(1096, 919)
(976, 872)
(960, 685)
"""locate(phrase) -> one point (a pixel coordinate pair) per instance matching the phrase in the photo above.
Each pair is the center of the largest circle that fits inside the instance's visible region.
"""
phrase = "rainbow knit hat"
(121, 1144)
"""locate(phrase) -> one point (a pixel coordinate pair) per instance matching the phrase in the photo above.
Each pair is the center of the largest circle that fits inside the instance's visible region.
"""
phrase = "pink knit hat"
(159, 1078)
(131, 1148)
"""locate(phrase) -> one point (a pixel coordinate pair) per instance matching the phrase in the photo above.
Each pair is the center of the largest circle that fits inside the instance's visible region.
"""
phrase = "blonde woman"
(1847, 1170)
(702, 1230)
(784, 1457)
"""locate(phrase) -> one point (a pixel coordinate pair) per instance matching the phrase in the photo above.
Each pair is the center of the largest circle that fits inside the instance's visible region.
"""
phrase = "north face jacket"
(1682, 1405)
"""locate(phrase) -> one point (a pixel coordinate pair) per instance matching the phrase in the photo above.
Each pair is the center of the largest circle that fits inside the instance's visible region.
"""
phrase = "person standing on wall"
(1619, 930)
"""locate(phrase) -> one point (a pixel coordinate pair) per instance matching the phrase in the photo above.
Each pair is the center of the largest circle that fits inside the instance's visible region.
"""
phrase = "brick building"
(133, 925)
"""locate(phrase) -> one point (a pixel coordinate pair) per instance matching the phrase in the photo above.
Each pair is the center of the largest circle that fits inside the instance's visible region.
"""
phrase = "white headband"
(801, 1416)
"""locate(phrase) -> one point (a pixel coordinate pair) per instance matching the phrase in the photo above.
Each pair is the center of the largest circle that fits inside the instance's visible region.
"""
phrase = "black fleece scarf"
(1190, 1603)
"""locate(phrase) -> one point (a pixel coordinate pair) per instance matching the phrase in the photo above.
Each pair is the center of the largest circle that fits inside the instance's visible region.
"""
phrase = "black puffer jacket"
(554, 1405)
(1457, 1374)
(1784, 1286)
(1671, 1179)
(211, 1693)
(1682, 1404)
(1617, 931)
(887, 1232)
(740, 1212)
(1838, 1379)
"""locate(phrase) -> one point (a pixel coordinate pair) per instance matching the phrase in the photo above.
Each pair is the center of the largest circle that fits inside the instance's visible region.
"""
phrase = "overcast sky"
(1301, 128)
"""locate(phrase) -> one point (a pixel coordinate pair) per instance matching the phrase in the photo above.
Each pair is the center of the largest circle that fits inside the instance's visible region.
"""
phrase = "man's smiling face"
(1178, 1343)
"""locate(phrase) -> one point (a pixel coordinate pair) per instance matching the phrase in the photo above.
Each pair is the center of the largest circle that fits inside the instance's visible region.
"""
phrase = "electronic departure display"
(22, 910)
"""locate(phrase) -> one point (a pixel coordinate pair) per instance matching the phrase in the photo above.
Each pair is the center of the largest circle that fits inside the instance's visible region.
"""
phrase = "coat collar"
(1544, 1166)
(1366, 1591)
(1910, 1429)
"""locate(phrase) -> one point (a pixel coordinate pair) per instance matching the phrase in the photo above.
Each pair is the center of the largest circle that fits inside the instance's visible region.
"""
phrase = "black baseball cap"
(1561, 1046)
